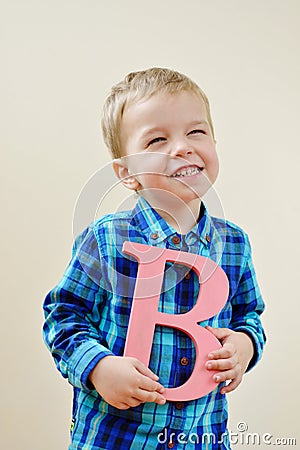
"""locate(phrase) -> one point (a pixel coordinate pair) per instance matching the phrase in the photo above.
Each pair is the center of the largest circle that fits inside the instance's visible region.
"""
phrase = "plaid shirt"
(87, 316)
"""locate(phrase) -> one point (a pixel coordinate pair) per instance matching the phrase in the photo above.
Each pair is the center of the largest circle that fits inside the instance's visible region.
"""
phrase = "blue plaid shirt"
(87, 316)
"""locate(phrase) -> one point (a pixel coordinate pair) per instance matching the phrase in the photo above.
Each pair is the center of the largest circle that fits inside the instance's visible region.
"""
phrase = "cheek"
(216, 167)
(148, 163)
(213, 164)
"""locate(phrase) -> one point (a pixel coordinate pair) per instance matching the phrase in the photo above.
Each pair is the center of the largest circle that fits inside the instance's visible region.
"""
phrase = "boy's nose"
(181, 149)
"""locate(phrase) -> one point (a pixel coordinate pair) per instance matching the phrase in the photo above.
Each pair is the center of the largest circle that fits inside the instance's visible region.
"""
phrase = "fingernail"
(216, 378)
(210, 355)
(209, 365)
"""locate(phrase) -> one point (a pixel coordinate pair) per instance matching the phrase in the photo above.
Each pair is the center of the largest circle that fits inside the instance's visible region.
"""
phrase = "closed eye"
(153, 141)
(197, 131)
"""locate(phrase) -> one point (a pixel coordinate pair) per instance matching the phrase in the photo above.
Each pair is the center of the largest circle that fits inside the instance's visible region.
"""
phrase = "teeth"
(187, 171)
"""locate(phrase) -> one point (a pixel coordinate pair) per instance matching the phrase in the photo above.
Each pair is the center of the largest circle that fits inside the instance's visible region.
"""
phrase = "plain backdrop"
(58, 62)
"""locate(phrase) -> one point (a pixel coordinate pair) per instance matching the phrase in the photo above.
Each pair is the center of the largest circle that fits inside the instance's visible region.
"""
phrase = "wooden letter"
(145, 315)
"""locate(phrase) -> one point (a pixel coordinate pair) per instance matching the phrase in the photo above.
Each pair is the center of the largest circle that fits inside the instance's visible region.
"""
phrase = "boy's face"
(168, 148)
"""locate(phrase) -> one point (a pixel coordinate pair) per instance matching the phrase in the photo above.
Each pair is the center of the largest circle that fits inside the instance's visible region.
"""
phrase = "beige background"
(58, 61)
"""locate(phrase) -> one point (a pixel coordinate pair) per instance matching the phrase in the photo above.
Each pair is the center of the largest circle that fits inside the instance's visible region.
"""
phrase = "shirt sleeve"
(247, 306)
(72, 314)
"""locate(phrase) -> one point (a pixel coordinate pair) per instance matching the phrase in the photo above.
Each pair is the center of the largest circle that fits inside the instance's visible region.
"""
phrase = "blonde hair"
(137, 86)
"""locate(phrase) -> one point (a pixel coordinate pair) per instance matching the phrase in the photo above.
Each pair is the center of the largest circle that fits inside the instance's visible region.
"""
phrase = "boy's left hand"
(230, 361)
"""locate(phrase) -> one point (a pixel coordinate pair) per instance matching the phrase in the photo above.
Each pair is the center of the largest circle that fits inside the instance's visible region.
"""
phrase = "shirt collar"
(158, 230)
(150, 222)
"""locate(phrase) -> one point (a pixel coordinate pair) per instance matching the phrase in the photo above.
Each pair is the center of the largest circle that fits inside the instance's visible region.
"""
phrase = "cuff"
(83, 361)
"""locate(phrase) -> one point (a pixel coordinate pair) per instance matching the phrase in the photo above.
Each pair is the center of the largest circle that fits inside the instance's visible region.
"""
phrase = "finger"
(220, 333)
(226, 375)
(231, 386)
(146, 396)
(149, 385)
(160, 400)
(145, 370)
(227, 351)
(222, 364)
(120, 405)
(133, 402)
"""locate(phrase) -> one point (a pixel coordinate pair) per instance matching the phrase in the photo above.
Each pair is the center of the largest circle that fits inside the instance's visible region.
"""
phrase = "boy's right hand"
(125, 382)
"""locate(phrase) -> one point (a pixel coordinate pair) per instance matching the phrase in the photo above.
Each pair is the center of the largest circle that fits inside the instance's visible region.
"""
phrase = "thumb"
(220, 333)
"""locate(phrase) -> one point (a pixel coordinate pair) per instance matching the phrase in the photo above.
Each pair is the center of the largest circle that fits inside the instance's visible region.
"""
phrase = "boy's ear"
(122, 172)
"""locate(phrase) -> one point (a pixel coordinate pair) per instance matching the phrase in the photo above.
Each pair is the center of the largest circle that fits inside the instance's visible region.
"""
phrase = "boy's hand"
(125, 382)
(232, 359)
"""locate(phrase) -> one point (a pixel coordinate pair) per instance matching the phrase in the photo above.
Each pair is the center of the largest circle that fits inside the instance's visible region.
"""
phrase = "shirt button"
(207, 237)
(154, 235)
(184, 361)
(175, 239)
(179, 405)
(187, 276)
(171, 444)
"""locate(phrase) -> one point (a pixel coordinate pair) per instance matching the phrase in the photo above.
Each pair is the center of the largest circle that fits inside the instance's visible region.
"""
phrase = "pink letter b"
(145, 315)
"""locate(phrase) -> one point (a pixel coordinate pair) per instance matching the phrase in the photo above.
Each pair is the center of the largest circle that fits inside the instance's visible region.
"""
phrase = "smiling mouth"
(187, 172)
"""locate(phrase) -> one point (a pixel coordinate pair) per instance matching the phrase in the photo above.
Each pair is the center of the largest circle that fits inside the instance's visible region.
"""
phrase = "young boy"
(158, 126)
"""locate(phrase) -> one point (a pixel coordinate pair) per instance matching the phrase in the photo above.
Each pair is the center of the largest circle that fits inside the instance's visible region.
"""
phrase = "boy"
(157, 125)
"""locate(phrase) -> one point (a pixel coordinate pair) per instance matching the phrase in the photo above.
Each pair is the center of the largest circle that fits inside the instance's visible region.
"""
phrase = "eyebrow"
(199, 122)
(149, 131)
